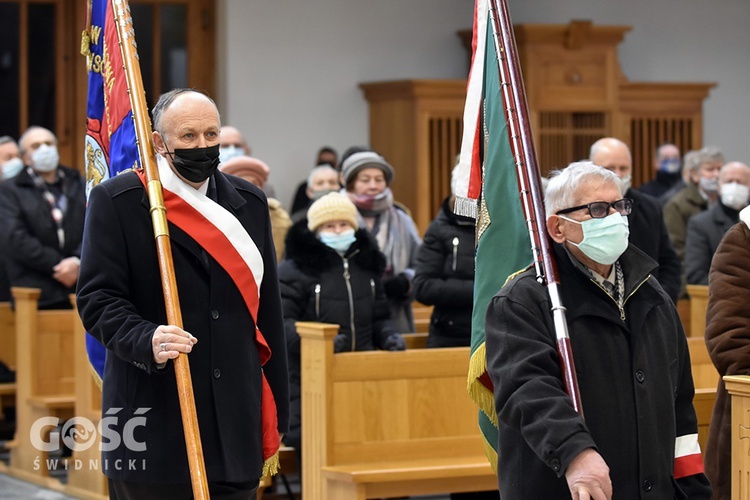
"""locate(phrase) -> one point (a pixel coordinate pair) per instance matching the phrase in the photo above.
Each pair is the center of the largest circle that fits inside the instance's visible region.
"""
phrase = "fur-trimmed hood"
(313, 257)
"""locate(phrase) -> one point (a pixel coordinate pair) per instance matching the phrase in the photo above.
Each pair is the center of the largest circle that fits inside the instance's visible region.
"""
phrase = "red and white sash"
(220, 234)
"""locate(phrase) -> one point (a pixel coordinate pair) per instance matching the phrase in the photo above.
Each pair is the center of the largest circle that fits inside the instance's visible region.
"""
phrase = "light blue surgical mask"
(605, 239)
(338, 241)
(229, 152)
(45, 158)
(12, 167)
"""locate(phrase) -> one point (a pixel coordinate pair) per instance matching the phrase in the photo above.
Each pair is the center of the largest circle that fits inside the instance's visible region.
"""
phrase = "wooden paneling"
(576, 94)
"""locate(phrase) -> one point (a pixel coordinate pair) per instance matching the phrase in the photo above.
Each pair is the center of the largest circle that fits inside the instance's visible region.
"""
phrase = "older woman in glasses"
(640, 433)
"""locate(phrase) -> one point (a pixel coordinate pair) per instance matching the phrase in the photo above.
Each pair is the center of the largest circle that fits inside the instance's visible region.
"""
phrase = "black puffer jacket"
(30, 233)
(445, 277)
(313, 288)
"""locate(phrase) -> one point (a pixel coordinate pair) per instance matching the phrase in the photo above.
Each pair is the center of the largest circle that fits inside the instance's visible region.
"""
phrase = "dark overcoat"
(634, 374)
(648, 232)
(704, 233)
(32, 247)
(121, 304)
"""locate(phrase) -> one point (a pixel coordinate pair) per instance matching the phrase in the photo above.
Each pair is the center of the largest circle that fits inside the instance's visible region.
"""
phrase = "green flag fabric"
(503, 241)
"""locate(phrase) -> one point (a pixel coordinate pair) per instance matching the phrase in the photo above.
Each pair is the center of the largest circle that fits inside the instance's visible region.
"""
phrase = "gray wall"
(289, 70)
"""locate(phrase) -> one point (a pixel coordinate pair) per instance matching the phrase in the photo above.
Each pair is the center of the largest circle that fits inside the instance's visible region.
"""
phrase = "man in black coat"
(647, 229)
(230, 305)
(41, 216)
(639, 439)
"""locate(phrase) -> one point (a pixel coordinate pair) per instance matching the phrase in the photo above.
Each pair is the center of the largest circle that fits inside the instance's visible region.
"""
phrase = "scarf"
(390, 232)
(220, 234)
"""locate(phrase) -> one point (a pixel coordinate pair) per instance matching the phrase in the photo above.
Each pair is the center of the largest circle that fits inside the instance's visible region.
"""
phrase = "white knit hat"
(331, 207)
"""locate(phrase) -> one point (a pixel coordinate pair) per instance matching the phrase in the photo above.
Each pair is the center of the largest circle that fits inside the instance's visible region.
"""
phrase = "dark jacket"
(663, 186)
(314, 287)
(649, 233)
(727, 327)
(444, 277)
(634, 377)
(121, 303)
(30, 233)
(704, 233)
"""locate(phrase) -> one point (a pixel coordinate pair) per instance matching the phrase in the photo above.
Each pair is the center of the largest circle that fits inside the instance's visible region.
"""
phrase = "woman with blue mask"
(332, 274)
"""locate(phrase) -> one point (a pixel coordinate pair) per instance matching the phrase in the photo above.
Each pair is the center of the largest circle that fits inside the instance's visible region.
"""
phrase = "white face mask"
(626, 181)
(45, 158)
(709, 186)
(735, 195)
(12, 167)
(229, 152)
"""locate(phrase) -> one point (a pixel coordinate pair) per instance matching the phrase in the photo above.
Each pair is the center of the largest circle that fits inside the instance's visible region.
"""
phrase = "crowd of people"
(346, 252)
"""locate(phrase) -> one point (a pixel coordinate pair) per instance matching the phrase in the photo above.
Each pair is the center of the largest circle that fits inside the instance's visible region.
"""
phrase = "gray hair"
(563, 184)
(320, 168)
(33, 128)
(6, 139)
(167, 98)
(694, 159)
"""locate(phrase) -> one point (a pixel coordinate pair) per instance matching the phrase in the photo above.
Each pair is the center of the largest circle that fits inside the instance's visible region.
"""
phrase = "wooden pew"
(705, 379)
(384, 424)
(45, 382)
(7, 354)
(422, 317)
(86, 479)
(698, 305)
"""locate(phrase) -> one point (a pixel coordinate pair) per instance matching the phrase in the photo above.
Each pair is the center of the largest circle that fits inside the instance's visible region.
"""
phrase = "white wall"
(289, 69)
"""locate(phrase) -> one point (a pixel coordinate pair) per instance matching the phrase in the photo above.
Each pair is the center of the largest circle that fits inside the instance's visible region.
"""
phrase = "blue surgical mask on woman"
(604, 239)
(338, 241)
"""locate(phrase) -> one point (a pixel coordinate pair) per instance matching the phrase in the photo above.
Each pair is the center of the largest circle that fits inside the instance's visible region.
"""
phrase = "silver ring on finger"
(163, 346)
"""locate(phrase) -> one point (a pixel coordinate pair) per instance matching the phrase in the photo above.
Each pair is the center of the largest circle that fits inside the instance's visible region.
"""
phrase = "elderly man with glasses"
(639, 438)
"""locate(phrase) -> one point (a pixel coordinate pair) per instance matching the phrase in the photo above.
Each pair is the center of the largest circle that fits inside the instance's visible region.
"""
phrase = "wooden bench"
(422, 317)
(698, 305)
(87, 481)
(7, 355)
(384, 424)
(705, 379)
(45, 382)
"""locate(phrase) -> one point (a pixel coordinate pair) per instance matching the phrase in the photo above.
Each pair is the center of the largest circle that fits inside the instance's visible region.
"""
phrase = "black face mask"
(196, 164)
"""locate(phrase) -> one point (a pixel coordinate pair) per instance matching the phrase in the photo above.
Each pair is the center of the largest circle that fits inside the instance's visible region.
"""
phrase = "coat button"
(640, 376)
(555, 463)
(647, 485)
(215, 314)
(217, 373)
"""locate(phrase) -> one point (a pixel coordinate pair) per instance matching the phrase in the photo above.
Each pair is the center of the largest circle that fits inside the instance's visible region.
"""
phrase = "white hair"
(320, 168)
(563, 184)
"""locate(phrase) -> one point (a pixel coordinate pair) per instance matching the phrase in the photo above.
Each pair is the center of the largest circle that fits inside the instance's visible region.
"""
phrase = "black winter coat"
(445, 277)
(649, 233)
(121, 303)
(634, 375)
(30, 234)
(314, 288)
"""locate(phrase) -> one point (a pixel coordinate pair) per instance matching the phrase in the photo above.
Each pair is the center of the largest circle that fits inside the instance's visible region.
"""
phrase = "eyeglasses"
(600, 209)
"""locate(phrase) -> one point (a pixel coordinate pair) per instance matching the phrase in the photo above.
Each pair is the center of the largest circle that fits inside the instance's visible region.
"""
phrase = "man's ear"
(553, 229)
(158, 142)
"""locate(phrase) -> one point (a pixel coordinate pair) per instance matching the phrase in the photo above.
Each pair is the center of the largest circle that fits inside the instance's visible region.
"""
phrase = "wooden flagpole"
(126, 36)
